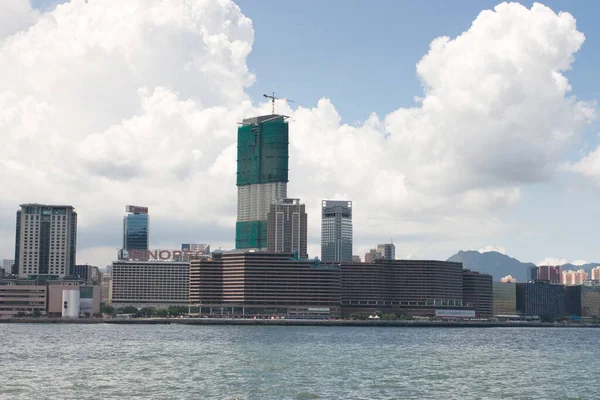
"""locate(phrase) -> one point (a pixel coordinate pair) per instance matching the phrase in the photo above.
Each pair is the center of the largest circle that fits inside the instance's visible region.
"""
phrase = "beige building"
(89, 298)
(574, 277)
(150, 283)
(21, 298)
(106, 288)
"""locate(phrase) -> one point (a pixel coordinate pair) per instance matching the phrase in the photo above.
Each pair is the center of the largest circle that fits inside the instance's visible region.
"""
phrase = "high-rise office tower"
(532, 274)
(262, 176)
(287, 227)
(336, 230)
(7, 267)
(372, 255)
(46, 240)
(136, 228)
(387, 250)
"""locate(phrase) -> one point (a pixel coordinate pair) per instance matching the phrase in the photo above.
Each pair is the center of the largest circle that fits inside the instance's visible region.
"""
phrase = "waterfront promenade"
(301, 322)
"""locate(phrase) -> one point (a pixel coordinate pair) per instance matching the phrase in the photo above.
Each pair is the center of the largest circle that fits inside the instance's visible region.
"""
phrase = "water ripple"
(272, 362)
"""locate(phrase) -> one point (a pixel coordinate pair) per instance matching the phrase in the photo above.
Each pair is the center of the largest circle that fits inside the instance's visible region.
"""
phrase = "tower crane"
(273, 98)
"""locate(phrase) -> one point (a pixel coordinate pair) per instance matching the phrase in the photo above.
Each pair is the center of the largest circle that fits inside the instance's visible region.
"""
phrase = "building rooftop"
(45, 205)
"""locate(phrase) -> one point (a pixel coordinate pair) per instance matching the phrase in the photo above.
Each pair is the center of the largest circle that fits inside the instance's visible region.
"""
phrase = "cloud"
(552, 261)
(107, 103)
(588, 166)
(489, 248)
(561, 261)
(16, 16)
(496, 111)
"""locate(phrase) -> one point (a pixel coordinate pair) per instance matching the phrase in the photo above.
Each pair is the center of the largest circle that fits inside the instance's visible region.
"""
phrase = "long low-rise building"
(22, 297)
(537, 299)
(411, 287)
(157, 284)
(478, 293)
(89, 298)
(261, 283)
(258, 283)
(39, 297)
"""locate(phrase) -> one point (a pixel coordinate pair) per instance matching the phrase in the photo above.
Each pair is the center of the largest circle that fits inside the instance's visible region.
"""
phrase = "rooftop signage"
(161, 255)
(136, 209)
(195, 247)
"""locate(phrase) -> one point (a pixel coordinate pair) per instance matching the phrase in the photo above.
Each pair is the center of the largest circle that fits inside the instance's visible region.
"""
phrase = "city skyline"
(136, 135)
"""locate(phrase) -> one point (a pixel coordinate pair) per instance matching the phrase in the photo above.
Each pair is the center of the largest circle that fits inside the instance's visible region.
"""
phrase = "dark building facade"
(573, 301)
(387, 250)
(136, 231)
(336, 231)
(582, 301)
(532, 274)
(15, 267)
(287, 228)
(478, 293)
(413, 287)
(261, 283)
(590, 301)
(540, 299)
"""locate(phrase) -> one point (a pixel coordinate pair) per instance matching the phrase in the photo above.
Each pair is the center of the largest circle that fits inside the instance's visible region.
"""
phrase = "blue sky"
(362, 56)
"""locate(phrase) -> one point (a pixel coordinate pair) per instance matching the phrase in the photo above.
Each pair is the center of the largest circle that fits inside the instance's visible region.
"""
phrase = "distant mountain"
(499, 265)
(496, 264)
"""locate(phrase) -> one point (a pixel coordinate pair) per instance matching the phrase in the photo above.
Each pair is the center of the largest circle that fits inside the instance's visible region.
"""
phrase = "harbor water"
(102, 361)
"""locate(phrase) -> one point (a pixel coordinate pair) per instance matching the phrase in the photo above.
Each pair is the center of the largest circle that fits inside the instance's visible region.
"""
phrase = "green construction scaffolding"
(262, 155)
(251, 235)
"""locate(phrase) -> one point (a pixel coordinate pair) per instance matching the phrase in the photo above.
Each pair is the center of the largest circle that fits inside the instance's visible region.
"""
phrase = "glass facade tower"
(135, 232)
(336, 231)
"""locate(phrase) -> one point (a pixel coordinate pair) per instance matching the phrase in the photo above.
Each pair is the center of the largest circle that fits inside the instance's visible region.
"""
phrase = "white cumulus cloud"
(107, 103)
(489, 248)
(552, 261)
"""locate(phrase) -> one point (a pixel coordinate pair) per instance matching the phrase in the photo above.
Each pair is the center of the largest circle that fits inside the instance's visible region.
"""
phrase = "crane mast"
(273, 98)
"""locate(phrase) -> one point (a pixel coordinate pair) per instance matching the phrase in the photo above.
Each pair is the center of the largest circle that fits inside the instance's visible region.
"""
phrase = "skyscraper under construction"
(262, 176)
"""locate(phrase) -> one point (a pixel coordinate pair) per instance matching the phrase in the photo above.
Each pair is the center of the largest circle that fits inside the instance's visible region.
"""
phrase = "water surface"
(63, 361)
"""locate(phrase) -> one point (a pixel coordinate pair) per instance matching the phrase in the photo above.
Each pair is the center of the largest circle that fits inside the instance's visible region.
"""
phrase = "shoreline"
(295, 322)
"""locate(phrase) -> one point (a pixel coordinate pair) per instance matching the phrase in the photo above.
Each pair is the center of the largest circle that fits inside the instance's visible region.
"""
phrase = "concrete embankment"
(296, 322)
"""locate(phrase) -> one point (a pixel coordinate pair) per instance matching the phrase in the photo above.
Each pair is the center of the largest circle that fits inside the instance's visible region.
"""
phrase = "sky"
(451, 126)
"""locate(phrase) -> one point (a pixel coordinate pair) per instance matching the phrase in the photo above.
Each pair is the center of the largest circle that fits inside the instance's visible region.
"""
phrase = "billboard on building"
(163, 254)
(455, 313)
(196, 248)
(70, 299)
(136, 209)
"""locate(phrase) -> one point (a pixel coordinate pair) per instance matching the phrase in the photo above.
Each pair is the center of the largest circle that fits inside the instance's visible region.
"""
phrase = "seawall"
(296, 322)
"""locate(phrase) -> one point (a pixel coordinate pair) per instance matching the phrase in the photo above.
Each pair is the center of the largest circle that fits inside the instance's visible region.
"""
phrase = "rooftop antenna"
(273, 98)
